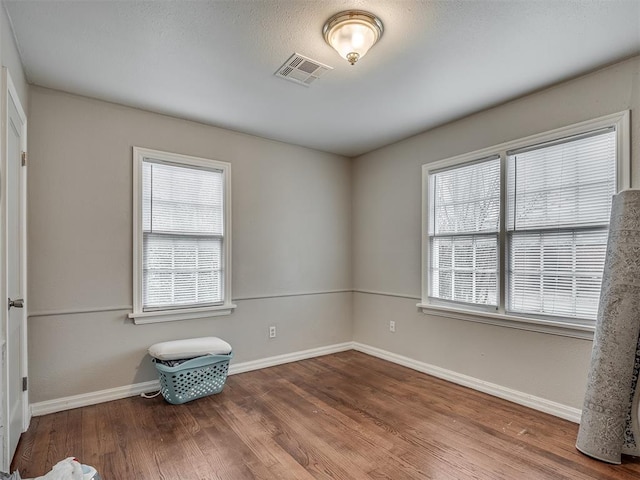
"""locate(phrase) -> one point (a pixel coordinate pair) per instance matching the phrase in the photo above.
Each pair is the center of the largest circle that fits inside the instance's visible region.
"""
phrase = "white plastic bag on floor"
(13, 476)
(69, 469)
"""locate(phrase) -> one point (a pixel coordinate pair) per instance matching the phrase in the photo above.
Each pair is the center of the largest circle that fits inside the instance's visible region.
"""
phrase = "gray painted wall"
(291, 234)
(386, 211)
(303, 221)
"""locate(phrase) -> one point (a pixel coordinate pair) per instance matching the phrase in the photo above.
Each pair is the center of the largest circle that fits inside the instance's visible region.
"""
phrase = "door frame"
(9, 92)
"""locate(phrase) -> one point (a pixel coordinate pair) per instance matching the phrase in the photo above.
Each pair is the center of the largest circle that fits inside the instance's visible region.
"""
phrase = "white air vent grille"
(302, 70)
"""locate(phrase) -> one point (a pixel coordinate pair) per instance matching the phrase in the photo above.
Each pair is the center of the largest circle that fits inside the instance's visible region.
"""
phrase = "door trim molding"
(9, 92)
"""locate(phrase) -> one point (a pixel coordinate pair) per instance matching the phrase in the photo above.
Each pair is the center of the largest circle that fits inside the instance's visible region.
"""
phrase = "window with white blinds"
(464, 229)
(181, 235)
(558, 205)
(521, 229)
(182, 214)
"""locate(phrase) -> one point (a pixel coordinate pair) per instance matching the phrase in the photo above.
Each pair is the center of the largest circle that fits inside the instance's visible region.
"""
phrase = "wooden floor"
(344, 416)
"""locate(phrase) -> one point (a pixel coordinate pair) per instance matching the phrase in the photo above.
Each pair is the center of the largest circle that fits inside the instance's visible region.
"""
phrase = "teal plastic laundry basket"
(192, 379)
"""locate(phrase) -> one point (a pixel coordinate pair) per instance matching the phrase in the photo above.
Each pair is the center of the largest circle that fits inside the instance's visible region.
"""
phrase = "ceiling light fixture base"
(352, 33)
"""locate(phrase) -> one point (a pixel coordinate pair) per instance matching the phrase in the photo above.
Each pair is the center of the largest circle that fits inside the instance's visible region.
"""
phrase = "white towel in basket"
(189, 348)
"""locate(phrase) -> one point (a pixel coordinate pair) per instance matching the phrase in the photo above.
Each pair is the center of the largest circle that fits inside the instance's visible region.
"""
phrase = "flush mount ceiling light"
(352, 33)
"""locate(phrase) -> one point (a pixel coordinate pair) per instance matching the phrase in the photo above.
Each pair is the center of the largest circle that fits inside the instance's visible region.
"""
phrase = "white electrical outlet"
(272, 331)
(392, 326)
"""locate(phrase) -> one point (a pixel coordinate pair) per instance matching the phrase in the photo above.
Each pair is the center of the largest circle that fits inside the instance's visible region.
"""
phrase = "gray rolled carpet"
(631, 445)
(609, 424)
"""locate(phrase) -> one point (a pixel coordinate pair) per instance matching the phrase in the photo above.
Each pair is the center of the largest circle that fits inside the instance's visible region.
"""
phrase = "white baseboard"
(537, 403)
(288, 358)
(559, 410)
(86, 399)
(92, 398)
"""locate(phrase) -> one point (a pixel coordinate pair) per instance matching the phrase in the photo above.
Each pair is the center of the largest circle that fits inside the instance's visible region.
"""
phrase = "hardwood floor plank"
(225, 456)
(27, 447)
(251, 422)
(362, 405)
(305, 432)
(90, 429)
(343, 416)
(534, 430)
(127, 435)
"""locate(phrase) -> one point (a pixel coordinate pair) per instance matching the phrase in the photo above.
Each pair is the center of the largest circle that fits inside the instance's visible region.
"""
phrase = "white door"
(14, 185)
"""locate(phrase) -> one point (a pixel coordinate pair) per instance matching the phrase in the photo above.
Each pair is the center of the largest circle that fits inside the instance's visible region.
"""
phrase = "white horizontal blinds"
(464, 269)
(559, 199)
(181, 271)
(184, 199)
(183, 218)
(567, 183)
(557, 273)
(463, 233)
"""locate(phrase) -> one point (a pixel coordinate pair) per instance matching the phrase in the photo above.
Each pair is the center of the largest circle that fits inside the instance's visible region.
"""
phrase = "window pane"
(465, 206)
(556, 273)
(181, 270)
(559, 200)
(465, 268)
(182, 219)
(467, 199)
(565, 184)
(178, 199)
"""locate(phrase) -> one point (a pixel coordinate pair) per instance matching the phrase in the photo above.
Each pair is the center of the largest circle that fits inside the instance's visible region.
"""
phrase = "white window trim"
(138, 315)
(493, 316)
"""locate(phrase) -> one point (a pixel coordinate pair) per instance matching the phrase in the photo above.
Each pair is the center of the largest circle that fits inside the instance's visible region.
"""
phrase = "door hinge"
(24, 384)
(24, 158)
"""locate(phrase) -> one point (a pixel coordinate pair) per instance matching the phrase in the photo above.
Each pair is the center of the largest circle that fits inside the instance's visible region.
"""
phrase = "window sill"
(140, 318)
(574, 330)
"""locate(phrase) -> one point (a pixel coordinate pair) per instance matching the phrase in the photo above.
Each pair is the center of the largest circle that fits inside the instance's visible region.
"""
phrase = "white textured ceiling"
(213, 61)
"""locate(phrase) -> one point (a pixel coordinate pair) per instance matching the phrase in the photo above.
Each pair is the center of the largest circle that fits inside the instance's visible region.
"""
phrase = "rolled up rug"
(609, 423)
(631, 445)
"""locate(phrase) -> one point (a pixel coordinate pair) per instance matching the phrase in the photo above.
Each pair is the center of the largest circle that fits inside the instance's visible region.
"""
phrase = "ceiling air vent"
(302, 70)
